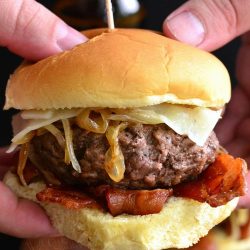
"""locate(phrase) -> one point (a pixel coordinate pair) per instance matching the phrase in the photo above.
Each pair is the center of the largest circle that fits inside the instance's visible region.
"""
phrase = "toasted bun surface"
(121, 69)
(180, 224)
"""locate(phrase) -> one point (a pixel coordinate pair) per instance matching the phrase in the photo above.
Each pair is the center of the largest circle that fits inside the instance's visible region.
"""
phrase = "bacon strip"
(136, 202)
(219, 183)
(69, 198)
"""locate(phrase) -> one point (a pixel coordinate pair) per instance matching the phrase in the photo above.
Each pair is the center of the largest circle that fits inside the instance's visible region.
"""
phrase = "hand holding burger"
(126, 142)
(20, 20)
(225, 120)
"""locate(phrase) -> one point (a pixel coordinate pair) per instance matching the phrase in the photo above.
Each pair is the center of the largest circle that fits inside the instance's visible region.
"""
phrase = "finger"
(242, 65)
(239, 147)
(59, 243)
(244, 129)
(225, 129)
(236, 111)
(22, 218)
(33, 32)
(208, 24)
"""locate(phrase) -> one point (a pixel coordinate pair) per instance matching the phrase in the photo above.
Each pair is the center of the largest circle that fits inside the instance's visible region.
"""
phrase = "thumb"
(208, 24)
(32, 31)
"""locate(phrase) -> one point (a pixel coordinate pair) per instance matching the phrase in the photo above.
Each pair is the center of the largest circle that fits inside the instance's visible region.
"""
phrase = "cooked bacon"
(98, 192)
(219, 183)
(136, 202)
(69, 198)
(119, 201)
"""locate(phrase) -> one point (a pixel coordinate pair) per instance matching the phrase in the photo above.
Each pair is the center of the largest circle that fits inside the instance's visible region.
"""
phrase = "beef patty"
(155, 156)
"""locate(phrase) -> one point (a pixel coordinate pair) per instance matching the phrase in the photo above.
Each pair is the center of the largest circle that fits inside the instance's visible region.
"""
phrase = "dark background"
(155, 13)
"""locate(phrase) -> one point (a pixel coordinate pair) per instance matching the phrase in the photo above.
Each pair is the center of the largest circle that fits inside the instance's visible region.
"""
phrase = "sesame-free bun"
(180, 224)
(120, 69)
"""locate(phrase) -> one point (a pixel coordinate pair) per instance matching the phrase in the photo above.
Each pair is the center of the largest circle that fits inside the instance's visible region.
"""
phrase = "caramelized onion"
(69, 145)
(25, 139)
(41, 131)
(57, 133)
(22, 127)
(23, 156)
(60, 139)
(66, 156)
(136, 115)
(97, 125)
(114, 159)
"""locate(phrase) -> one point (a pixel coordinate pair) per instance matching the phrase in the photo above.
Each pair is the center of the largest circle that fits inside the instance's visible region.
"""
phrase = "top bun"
(120, 69)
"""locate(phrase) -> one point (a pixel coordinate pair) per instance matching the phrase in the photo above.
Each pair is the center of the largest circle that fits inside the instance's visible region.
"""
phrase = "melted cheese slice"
(195, 122)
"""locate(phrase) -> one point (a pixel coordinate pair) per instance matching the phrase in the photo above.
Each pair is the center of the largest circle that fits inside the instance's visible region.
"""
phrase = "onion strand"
(57, 133)
(97, 125)
(23, 156)
(114, 160)
(69, 145)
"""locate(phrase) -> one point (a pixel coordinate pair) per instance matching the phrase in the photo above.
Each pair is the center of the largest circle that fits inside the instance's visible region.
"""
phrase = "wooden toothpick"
(110, 16)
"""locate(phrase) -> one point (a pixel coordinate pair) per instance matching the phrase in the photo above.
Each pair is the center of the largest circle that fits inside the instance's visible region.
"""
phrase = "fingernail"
(186, 27)
(68, 37)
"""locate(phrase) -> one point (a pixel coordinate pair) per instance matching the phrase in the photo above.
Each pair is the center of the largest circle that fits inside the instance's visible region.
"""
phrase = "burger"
(115, 141)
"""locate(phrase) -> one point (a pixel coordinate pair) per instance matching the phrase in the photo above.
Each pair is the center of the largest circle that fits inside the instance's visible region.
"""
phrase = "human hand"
(33, 32)
(61, 243)
(20, 217)
(209, 24)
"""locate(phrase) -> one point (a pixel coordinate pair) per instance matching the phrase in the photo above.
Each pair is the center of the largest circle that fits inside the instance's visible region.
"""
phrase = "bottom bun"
(180, 224)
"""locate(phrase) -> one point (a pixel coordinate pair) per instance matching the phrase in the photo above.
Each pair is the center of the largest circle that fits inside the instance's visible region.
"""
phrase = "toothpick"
(110, 16)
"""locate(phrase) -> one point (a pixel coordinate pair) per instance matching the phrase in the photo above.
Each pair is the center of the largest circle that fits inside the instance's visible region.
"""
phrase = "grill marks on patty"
(155, 156)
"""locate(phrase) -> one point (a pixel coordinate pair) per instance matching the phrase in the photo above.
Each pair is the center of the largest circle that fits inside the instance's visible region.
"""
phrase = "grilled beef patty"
(155, 156)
